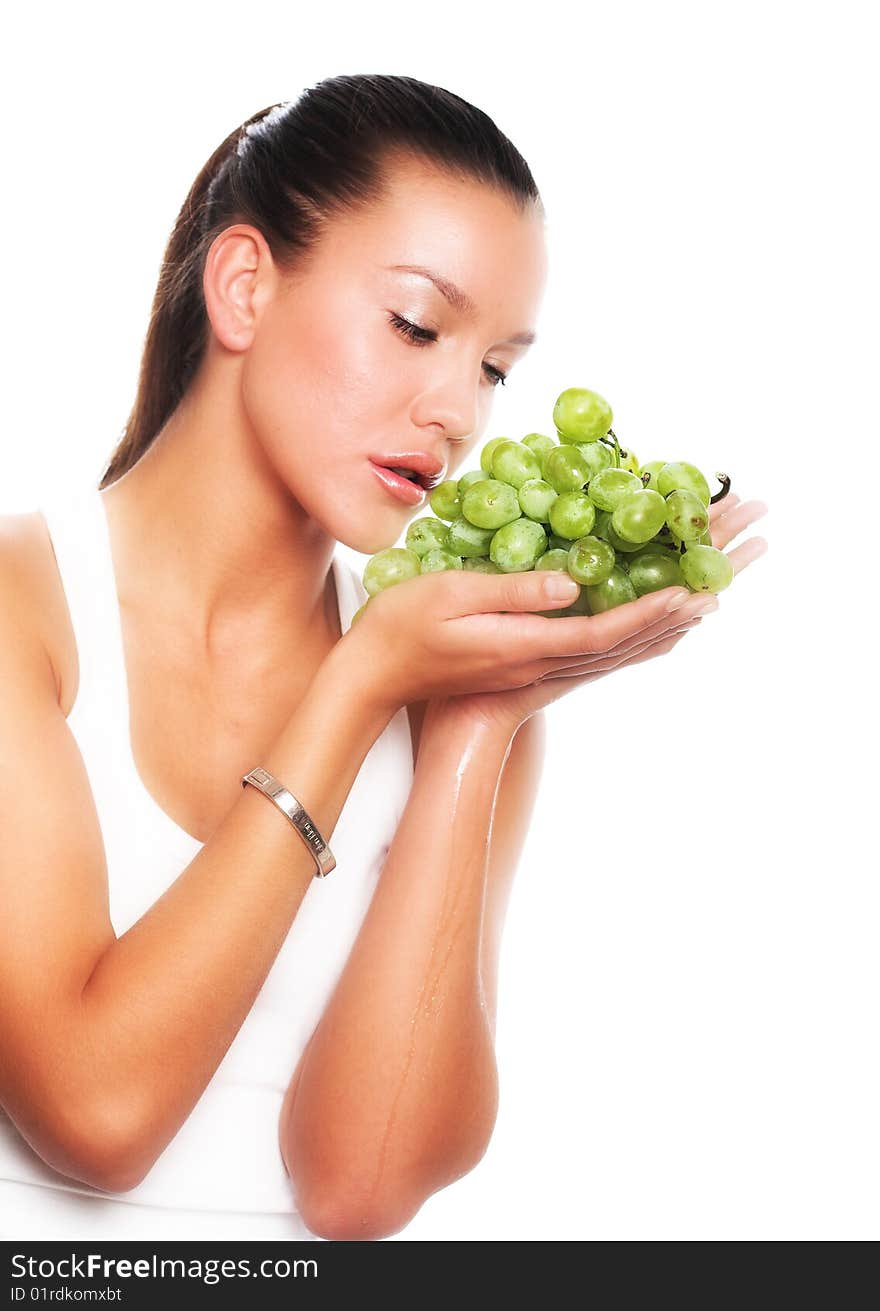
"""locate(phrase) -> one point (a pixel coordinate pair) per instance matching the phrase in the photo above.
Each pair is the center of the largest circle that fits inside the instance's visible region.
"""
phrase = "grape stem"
(725, 488)
(612, 433)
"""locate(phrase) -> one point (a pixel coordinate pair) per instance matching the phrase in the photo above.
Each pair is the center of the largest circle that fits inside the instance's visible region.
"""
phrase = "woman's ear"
(240, 275)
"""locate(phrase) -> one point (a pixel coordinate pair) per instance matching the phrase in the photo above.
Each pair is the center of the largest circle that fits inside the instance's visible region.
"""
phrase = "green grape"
(438, 560)
(650, 571)
(535, 498)
(705, 569)
(572, 515)
(425, 534)
(656, 546)
(554, 559)
(603, 519)
(590, 561)
(539, 443)
(653, 468)
(488, 451)
(581, 415)
(467, 540)
(597, 455)
(516, 546)
(480, 565)
(573, 503)
(472, 476)
(565, 469)
(490, 504)
(679, 474)
(514, 463)
(686, 515)
(357, 614)
(445, 501)
(393, 565)
(610, 486)
(615, 590)
(639, 515)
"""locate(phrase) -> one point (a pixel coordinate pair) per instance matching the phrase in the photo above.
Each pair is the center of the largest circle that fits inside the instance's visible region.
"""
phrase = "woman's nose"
(453, 407)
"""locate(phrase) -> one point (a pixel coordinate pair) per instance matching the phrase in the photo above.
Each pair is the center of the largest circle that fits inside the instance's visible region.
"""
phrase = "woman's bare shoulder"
(30, 575)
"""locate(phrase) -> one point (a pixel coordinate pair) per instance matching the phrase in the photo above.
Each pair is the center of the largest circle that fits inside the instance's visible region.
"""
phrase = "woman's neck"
(203, 529)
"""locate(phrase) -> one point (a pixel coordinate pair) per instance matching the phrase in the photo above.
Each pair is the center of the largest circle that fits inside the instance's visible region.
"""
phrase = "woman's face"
(332, 376)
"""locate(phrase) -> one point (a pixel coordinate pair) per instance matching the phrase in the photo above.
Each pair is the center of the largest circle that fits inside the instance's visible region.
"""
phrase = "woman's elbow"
(343, 1219)
(101, 1147)
(343, 1214)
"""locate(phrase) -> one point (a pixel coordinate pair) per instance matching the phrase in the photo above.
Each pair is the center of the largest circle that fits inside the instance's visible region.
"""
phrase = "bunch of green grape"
(577, 502)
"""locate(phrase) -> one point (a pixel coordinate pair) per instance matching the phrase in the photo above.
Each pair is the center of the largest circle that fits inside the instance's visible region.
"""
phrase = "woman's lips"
(404, 490)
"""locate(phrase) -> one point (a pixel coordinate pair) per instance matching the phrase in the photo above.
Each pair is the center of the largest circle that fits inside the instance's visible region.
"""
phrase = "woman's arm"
(396, 1093)
(106, 1043)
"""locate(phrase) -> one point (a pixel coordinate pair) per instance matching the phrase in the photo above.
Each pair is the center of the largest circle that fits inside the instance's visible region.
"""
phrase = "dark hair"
(287, 171)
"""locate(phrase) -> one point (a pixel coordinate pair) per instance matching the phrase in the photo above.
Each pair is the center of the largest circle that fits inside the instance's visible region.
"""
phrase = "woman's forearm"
(396, 1094)
(165, 1001)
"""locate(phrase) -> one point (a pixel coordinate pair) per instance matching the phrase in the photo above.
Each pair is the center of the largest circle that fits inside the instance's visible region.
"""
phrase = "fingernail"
(559, 587)
(677, 599)
(706, 607)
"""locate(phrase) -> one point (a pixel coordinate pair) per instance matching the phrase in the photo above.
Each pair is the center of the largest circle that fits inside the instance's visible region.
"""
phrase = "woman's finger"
(658, 648)
(613, 660)
(721, 507)
(696, 605)
(684, 618)
(538, 638)
(619, 657)
(634, 658)
(743, 555)
(728, 525)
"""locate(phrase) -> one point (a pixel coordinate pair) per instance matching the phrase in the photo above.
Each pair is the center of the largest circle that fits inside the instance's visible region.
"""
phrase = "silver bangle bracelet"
(296, 813)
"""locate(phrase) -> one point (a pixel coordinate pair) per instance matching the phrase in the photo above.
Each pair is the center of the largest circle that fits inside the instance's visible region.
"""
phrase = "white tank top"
(226, 1155)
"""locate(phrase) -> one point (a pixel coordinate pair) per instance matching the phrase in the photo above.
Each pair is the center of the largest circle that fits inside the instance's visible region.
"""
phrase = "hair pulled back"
(287, 171)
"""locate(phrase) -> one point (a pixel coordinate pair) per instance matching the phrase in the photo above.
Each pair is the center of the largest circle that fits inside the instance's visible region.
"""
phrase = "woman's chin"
(368, 539)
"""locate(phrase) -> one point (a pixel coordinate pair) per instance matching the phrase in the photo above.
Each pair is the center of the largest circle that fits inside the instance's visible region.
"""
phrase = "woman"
(198, 1038)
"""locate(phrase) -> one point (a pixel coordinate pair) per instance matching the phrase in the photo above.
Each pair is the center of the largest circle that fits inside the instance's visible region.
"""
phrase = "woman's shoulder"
(30, 577)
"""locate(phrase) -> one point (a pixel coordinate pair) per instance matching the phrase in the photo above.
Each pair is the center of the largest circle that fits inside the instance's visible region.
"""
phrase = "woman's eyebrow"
(457, 298)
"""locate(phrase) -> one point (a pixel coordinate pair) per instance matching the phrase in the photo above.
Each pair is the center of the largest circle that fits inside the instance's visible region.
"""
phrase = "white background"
(687, 1027)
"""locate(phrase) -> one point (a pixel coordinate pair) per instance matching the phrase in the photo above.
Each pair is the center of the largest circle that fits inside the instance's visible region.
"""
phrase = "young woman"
(198, 1036)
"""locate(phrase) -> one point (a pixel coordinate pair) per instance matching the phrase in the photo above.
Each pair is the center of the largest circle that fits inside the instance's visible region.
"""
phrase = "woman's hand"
(451, 634)
(508, 709)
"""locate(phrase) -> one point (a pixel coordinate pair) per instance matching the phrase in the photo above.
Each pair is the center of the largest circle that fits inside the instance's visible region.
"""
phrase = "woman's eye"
(495, 374)
(421, 336)
(412, 330)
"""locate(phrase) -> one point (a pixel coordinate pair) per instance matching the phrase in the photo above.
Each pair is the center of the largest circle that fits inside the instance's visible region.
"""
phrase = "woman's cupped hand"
(477, 645)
